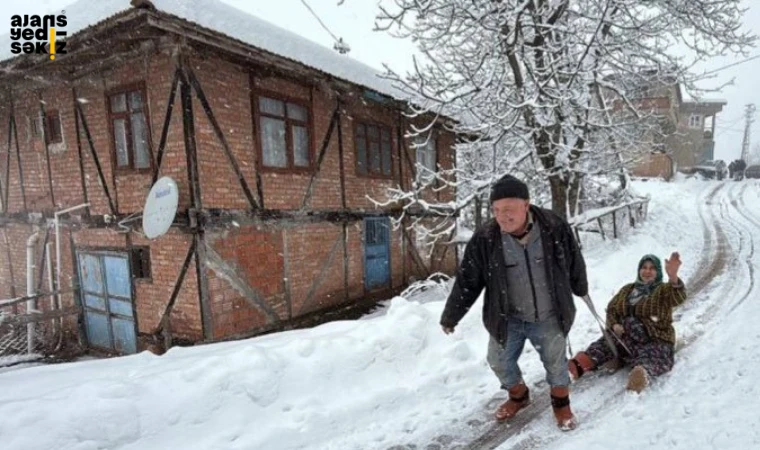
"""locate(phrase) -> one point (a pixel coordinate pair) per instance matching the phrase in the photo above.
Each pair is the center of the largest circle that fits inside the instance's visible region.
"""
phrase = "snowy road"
(395, 381)
(724, 280)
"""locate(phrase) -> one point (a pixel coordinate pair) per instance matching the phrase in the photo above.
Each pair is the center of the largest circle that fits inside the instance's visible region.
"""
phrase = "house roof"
(703, 107)
(239, 25)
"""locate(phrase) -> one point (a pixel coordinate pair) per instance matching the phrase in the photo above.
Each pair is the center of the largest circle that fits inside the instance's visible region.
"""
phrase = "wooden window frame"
(380, 128)
(34, 127)
(289, 123)
(434, 136)
(699, 121)
(140, 263)
(53, 118)
(126, 89)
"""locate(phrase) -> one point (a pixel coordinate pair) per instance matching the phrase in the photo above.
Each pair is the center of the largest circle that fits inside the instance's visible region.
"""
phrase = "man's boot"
(580, 364)
(519, 397)
(561, 406)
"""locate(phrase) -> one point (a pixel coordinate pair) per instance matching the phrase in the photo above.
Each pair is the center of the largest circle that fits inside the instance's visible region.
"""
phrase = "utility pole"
(749, 118)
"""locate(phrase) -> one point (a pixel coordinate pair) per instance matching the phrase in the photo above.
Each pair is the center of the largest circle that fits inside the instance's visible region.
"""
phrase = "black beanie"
(509, 187)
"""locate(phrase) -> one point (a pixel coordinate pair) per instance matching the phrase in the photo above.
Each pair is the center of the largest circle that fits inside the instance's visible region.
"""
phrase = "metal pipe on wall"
(56, 221)
(30, 304)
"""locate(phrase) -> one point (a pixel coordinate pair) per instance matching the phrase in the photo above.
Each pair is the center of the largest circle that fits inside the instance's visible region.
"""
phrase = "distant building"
(695, 141)
(688, 129)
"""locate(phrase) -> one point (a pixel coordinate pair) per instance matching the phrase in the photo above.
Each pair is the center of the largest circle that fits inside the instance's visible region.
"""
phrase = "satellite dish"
(160, 208)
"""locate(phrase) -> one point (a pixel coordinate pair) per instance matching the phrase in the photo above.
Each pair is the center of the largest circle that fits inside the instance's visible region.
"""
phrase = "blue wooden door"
(107, 301)
(377, 261)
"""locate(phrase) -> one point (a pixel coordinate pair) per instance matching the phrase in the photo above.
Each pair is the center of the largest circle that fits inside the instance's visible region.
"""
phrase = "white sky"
(354, 20)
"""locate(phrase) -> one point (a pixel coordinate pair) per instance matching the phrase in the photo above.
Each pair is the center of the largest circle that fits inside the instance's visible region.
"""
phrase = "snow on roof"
(237, 24)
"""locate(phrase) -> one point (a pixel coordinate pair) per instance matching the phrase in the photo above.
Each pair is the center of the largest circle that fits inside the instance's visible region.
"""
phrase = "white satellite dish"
(160, 208)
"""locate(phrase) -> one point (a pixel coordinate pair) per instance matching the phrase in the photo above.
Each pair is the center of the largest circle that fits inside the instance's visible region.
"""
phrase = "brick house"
(275, 144)
(685, 136)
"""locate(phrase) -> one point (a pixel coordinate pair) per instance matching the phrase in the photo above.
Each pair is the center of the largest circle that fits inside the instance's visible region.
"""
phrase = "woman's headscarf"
(640, 288)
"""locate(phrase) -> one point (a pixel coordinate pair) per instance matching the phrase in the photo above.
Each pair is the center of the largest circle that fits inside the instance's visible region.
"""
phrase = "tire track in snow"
(540, 437)
(739, 205)
(713, 260)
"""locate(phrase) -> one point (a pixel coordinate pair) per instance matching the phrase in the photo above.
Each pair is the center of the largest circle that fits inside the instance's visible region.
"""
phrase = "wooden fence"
(611, 221)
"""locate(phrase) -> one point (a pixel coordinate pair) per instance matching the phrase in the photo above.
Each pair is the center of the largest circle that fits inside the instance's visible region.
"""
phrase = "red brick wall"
(227, 89)
(283, 264)
(167, 255)
(355, 246)
(258, 254)
(150, 296)
(310, 266)
(255, 254)
(128, 190)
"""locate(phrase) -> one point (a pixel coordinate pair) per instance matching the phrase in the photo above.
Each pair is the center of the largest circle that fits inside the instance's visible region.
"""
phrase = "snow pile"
(393, 378)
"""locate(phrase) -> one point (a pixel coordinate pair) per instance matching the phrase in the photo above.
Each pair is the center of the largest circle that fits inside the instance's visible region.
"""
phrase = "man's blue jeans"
(548, 340)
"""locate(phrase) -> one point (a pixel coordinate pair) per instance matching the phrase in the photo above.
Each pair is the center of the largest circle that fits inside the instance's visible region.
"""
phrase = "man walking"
(530, 265)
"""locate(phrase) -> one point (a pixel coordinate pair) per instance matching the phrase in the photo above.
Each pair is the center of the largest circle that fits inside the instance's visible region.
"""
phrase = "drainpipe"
(56, 221)
(57, 323)
(30, 304)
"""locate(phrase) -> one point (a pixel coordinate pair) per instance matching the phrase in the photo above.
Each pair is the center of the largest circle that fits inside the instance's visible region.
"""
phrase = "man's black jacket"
(483, 266)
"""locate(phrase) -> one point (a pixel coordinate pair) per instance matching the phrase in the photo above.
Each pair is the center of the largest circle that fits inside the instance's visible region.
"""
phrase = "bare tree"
(561, 83)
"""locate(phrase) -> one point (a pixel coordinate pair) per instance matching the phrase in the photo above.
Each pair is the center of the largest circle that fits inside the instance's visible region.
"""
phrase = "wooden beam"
(18, 158)
(77, 283)
(26, 298)
(322, 151)
(12, 281)
(415, 254)
(8, 164)
(249, 293)
(254, 134)
(22, 319)
(286, 273)
(164, 322)
(340, 156)
(94, 153)
(188, 128)
(446, 247)
(85, 198)
(399, 145)
(344, 230)
(410, 161)
(43, 117)
(165, 129)
(321, 277)
(220, 135)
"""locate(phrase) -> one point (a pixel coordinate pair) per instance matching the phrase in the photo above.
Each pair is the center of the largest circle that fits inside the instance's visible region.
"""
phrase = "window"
(33, 127)
(373, 150)
(426, 157)
(129, 126)
(141, 263)
(53, 131)
(285, 142)
(695, 121)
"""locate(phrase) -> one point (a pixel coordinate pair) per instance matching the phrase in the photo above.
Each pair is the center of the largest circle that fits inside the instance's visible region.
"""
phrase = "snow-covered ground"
(394, 379)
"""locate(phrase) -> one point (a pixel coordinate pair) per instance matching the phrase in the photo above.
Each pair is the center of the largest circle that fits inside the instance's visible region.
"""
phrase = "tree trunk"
(574, 195)
(559, 190)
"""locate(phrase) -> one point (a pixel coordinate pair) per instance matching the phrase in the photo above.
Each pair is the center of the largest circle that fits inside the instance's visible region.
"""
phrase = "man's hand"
(447, 330)
(618, 329)
(672, 265)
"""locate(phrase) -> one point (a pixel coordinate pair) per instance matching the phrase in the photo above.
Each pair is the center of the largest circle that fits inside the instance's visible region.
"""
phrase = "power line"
(719, 69)
(340, 45)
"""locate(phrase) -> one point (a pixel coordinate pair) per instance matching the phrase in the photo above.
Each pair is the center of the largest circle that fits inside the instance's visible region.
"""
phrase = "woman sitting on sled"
(641, 317)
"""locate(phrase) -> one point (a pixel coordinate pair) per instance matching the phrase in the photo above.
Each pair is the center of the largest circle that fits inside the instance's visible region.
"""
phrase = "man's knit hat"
(509, 187)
